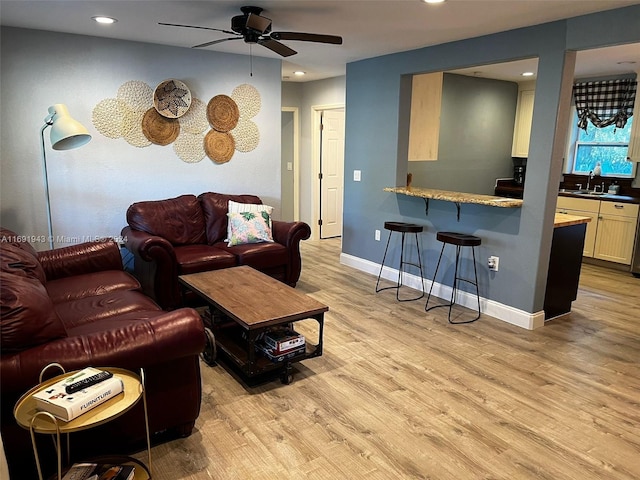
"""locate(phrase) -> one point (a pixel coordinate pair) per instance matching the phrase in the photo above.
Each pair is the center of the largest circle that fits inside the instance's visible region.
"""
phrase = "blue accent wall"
(520, 237)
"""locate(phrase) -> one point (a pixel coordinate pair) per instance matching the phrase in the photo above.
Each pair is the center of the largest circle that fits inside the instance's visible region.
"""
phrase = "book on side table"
(98, 471)
(66, 406)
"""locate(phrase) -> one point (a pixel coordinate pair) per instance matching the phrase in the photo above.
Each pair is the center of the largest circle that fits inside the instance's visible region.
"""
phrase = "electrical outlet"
(493, 263)
(377, 235)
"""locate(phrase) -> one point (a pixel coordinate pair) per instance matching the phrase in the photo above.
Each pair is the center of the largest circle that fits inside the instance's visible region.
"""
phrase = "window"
(607, 146)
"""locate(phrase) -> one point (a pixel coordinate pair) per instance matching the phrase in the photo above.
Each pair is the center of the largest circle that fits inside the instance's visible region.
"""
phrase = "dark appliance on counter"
(519, 169)
(512, 187)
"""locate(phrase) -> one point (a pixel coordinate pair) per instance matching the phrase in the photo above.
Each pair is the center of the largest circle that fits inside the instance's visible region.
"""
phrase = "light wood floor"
(401, 394)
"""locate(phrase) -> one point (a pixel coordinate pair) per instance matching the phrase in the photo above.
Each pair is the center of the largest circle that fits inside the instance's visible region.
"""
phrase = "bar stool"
(402, 228)
(459, 240)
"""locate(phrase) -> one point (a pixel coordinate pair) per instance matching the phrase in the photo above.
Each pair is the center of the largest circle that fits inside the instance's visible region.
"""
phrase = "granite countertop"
(565, 220)
(456, 197)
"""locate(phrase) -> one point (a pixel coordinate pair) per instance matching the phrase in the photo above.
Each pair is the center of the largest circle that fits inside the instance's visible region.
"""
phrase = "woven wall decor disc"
(172, 98)
(219, 146)
(158, 129)
(222, 113)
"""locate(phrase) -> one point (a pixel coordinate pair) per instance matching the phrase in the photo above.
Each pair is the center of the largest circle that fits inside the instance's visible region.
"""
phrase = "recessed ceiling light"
(299, 73)
(528, 74)
(433, 1)
(104, 20)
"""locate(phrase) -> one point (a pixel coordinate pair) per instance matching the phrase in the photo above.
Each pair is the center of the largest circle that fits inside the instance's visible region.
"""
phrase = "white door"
(331, 173)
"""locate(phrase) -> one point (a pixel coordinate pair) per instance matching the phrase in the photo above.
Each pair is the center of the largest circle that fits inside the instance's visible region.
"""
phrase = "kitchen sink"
(583, 192)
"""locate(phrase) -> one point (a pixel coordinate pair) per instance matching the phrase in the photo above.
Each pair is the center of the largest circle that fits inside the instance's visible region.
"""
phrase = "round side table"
(37, 421)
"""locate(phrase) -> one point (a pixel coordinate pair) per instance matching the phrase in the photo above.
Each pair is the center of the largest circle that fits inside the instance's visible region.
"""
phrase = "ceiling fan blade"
(280, 48)
(307, 37)
(208, 44)
(194, 26)
(258, 23)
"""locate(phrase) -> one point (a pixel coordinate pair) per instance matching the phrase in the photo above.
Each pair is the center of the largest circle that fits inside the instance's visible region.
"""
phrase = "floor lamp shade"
(66, 133)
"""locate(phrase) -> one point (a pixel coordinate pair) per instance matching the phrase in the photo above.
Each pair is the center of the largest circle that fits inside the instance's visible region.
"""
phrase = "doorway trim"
(296, 161)
(316, 120)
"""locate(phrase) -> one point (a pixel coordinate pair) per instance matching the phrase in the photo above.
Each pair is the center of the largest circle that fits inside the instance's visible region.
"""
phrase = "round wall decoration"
(248, 99)
(222, 113)
(246, 135)
(172, 98)
(219, 146)
(136, 94)
(158, 129)
(189, 147)
(195, 120)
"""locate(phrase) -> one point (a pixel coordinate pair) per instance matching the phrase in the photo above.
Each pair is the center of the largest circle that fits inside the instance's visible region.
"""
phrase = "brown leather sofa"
(186, 234)
(77, 306)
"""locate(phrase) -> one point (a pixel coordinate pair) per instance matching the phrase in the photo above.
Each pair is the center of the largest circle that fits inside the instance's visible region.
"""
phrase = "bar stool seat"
(459, 240)
(403, 229)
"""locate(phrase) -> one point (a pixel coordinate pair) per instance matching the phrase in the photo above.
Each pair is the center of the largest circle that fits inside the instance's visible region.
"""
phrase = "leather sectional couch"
(187, 234)
(78, 307)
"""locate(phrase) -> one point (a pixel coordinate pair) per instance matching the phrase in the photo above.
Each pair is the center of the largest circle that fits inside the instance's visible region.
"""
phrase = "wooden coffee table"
(245, 303)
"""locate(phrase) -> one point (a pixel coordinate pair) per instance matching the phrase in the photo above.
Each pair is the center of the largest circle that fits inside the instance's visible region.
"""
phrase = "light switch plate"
(356, 175)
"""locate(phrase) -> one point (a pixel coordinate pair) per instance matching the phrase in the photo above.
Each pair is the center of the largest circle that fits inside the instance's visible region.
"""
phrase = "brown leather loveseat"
(78, 307)
(187, 234)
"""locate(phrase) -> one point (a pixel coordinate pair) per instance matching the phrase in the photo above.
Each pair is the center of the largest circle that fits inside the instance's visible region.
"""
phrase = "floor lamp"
(66, 134)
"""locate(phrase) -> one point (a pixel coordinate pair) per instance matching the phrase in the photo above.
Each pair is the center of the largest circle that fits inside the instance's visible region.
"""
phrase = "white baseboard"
(506, 313)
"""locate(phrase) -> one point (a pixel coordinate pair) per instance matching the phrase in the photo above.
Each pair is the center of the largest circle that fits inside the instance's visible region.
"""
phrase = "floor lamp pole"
(46, 183)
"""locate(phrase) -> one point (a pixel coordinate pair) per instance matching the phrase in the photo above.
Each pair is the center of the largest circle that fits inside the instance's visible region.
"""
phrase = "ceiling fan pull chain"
(250, 60)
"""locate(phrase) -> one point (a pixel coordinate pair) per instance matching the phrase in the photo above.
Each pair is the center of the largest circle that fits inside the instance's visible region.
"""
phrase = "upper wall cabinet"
(424, 126)
(524, 117)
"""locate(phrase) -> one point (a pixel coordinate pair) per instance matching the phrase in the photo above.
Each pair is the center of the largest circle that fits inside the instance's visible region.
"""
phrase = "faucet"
(589, 177)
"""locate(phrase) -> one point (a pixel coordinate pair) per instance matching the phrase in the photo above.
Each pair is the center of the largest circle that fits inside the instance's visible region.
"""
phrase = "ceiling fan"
(254, 28)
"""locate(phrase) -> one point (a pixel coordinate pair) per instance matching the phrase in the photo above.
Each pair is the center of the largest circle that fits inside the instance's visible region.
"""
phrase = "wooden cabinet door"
(522, 128)
(616, 233)
(424, 123)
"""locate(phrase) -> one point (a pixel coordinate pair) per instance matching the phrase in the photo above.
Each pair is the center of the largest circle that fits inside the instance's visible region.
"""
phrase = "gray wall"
(520, 237)
(91, 187)
(476, 133)
(287, 149)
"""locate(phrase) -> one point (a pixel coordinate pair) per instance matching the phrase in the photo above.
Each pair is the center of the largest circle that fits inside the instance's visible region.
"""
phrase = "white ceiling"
(370, 28)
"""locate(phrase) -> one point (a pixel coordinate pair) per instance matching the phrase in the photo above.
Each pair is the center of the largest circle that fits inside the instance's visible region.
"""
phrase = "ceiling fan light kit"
(254, 28)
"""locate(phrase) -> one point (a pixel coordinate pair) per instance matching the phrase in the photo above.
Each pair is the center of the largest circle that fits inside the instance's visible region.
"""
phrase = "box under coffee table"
(244, 304)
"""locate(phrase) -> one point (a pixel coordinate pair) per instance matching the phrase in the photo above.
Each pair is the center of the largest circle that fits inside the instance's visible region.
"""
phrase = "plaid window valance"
(605, 103)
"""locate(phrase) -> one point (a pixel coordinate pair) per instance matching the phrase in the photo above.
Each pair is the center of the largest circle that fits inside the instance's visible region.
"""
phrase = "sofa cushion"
(22, 241)
(200, 258)
(249, 227)
(261, 256)
(90, 284)
(215, 207)
(27, 316)
(91, 309)
(179, 220)
(14, 259)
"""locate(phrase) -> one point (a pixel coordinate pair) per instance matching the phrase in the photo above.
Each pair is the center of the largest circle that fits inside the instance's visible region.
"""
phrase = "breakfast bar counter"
(455, 197)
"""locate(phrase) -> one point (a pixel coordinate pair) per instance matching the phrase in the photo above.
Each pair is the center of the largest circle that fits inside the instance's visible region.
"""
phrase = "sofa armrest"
(88, 257)
(290, 234)
(155, 266)
(160, 338)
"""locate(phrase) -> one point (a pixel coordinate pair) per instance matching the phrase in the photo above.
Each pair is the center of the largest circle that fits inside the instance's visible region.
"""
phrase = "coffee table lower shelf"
(229, 342)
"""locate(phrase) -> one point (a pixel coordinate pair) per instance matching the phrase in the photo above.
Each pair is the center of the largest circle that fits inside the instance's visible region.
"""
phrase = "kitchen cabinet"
(616, 232)
(585, 208)
(524, 118)
(424, 123)
(611, 233)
